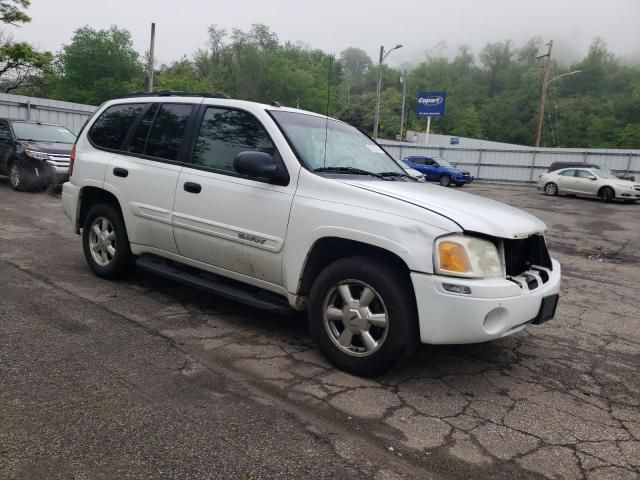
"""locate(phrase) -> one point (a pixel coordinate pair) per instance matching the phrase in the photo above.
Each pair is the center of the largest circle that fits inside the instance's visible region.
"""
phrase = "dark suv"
(34, 154)
(559, 165)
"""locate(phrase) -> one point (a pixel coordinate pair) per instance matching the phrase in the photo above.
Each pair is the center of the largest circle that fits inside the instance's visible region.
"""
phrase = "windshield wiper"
(348, 170)
(397, 174)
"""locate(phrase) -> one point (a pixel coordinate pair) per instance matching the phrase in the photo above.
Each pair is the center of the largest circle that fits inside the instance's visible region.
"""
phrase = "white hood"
(472, 212)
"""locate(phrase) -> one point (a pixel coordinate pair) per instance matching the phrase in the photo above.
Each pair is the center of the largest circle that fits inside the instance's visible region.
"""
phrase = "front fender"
(407, 238)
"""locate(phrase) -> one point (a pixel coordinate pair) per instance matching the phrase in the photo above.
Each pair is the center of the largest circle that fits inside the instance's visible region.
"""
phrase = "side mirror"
(5, 138)
(257, 164)
(592, 178)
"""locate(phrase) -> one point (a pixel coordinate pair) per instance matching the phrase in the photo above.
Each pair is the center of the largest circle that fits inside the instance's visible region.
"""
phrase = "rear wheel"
(606, 194)
(551, 189)
(105, 243)
(362, 314)
(445, 180)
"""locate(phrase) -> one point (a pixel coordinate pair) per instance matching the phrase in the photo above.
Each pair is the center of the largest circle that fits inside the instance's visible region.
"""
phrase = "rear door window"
(111, 128)
(161, 131)
(568, 173)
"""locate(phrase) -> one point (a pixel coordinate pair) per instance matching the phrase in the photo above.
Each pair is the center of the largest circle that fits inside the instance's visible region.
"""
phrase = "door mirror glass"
(256, 164)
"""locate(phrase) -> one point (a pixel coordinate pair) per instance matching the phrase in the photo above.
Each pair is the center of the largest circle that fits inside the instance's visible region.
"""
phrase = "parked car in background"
(240, 199)
(414, 173)
(559, 165)
(436, 169)
(588, 182)
(34, 154)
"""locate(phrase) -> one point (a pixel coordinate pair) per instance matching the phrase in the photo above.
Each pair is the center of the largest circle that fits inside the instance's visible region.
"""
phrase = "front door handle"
(192, 187)
(120, 172)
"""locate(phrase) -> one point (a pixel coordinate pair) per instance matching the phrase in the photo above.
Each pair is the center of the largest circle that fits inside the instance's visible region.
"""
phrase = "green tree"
(21, 65)
(630, 136)
(11, 11)
(98, 65)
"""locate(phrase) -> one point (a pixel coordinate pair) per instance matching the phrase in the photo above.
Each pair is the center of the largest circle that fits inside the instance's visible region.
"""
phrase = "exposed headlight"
(36, 155)
(465, 256)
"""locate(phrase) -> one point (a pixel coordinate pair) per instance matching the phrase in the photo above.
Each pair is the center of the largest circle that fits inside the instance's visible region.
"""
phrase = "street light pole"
(379, 86)
(403, 79)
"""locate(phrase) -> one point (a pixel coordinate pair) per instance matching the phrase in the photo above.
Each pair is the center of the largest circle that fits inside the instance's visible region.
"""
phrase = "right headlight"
(466, 256)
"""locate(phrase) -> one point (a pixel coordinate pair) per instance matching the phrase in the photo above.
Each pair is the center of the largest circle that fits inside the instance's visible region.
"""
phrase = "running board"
(212, 283)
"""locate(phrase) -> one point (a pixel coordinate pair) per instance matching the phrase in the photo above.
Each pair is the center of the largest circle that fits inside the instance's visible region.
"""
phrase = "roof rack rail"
(173, 93)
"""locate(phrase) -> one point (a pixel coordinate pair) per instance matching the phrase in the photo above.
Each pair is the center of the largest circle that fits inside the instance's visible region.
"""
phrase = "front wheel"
(445, 180)
(363, 316)
(105, 243)
(606, 194)
(17, 177)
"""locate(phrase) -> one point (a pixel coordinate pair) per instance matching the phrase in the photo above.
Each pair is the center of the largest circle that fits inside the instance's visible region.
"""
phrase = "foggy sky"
(334, 25)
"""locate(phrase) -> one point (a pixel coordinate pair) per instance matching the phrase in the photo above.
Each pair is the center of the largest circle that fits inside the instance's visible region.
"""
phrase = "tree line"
(493, 95)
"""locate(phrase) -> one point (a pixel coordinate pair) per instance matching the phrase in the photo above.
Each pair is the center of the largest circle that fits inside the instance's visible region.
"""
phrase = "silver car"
(588, 182)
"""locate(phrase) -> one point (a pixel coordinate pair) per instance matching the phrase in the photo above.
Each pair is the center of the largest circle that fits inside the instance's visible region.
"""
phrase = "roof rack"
(172, 93)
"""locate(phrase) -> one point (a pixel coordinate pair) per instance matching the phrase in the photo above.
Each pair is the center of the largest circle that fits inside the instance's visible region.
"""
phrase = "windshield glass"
(604, 173)
(442, 162)
(43, 133)
(346, 147)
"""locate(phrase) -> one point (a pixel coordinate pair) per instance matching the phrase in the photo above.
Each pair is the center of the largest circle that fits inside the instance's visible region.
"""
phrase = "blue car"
(436, 169)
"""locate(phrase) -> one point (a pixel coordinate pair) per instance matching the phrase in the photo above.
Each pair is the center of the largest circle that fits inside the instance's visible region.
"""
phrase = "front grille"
(59, 160)
(521, 255)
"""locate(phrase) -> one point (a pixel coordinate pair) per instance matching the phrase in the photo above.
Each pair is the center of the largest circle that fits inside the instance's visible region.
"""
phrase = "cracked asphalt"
(147, 378)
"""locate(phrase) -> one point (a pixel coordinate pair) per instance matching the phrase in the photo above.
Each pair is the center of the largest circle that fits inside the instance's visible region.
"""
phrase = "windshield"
(346, 146)
(442, 162)
(43, 133)
(604, 173)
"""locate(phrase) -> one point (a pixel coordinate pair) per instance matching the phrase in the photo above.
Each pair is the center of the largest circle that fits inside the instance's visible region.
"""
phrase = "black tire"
(17, 177)
(395, 298)
(445, 180)
(122, 261)
(606, 194)
(551, 189)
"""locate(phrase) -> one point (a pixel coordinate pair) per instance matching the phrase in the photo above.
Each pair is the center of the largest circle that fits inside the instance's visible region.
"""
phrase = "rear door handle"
(120, 172)
(192, 187)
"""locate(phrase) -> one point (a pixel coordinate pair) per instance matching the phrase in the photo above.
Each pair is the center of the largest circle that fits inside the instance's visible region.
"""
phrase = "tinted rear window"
(111, 128)
(167, 131)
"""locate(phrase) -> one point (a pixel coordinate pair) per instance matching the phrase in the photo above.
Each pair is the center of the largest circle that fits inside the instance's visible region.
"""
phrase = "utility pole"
(377, 116)
(543, 93)
(383, 55)
(403, 79)
(153, 41)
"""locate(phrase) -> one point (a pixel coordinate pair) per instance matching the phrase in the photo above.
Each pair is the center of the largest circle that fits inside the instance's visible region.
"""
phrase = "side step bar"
(209, 282)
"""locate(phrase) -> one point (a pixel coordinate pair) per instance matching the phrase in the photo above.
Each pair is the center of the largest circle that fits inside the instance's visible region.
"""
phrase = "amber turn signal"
(453, 257)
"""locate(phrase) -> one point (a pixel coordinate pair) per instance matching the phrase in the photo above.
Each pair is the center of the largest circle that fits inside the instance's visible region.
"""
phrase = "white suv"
(286, 209)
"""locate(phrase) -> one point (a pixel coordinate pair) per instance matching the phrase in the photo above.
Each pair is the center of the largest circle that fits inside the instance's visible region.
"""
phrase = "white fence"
(70, 115)
(522, 165)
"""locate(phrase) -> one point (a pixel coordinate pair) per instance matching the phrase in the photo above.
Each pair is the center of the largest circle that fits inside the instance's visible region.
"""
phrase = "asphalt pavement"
(146, 378)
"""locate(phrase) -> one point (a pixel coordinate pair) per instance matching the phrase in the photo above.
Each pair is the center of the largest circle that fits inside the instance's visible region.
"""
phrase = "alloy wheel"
(551, 189)
(102, 241)
(15, 175)
(356, 318)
